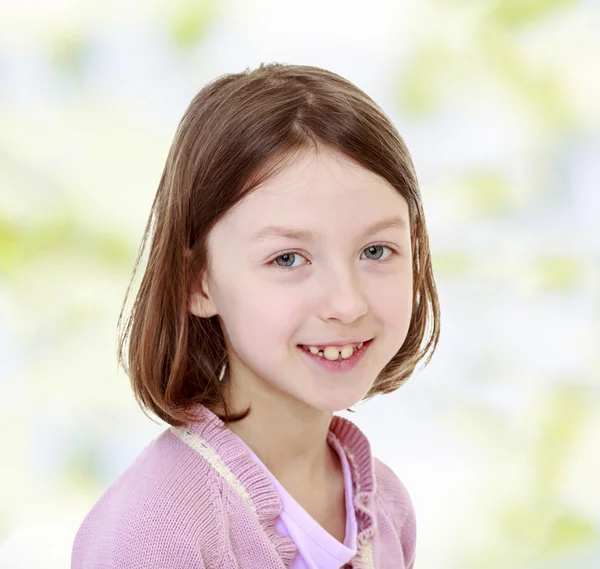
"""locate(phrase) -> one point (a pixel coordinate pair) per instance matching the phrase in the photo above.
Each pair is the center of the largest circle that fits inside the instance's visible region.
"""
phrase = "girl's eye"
(288, 259)
(378, 258)
(290, 256)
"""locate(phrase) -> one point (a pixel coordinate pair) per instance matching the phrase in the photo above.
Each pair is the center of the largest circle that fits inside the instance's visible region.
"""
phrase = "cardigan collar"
(210, 436)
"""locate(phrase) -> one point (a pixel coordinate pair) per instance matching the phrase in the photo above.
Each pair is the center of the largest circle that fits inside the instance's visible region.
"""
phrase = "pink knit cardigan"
(195, 499)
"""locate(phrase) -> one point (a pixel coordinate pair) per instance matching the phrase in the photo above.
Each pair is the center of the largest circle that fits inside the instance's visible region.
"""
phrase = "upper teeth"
(333, 352)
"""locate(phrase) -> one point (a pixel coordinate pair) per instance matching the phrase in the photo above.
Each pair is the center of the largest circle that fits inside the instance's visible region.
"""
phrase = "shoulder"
(391, 489)
(158, 509)
(393, 498)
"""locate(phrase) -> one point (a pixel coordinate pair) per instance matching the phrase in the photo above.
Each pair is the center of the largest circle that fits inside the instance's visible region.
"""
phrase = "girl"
(289, 277)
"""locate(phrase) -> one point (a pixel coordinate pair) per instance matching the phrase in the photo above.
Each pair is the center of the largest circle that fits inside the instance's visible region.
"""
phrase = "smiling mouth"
(342, 354)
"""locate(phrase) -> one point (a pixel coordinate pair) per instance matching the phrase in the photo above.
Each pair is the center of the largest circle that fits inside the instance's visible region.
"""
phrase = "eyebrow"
(273, 231)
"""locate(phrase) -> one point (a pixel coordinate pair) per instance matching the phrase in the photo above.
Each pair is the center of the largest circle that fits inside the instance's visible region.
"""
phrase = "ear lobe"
(200, 304)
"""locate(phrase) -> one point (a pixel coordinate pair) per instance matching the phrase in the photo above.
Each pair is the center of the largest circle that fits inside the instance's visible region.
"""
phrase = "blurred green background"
(499, 103)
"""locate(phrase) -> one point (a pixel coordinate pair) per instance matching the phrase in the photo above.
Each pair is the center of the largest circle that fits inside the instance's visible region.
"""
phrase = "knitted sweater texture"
(195, 499)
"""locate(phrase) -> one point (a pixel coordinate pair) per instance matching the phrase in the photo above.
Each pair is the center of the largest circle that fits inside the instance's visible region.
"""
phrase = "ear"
(200, 301)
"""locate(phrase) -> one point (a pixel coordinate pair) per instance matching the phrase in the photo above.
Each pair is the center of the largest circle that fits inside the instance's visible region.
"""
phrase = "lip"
(337, 365)
(336, 344)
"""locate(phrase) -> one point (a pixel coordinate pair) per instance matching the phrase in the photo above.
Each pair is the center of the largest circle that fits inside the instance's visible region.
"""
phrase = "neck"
(288, 436)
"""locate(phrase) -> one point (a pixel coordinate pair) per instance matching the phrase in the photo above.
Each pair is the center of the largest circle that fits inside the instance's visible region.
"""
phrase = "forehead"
(320, 174)
(319, 189)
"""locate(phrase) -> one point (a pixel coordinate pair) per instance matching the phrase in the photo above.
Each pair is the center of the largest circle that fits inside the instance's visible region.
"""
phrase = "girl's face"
(336, 282)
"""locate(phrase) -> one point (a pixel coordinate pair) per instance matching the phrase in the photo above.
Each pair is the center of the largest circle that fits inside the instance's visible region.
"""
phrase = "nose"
(342, 297)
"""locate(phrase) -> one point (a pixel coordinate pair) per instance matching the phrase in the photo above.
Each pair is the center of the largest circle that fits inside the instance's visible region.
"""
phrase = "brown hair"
(236, 133)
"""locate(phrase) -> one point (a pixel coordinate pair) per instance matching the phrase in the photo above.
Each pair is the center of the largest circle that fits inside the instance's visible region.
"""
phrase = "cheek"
(261, 329)
(393, 307)
(265, 320)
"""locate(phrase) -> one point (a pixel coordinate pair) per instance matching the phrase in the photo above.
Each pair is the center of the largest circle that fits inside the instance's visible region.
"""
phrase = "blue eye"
(290, 256)
(376, 247)
(382, 247)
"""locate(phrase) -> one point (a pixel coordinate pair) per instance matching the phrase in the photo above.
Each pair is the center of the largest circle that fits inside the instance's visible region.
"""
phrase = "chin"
(333, 405)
